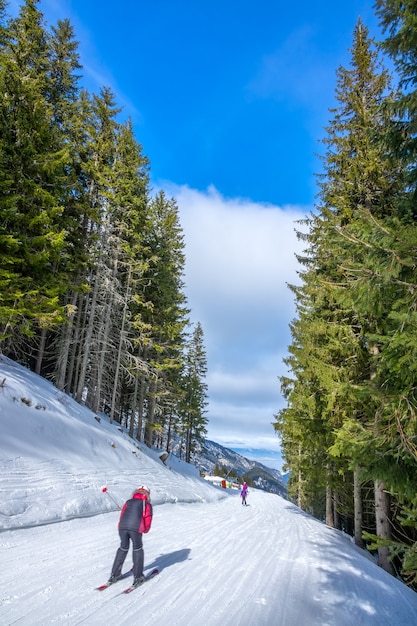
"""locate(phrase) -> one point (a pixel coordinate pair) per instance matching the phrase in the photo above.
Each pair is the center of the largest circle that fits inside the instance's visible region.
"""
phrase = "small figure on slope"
(244, 493)
(135, 519)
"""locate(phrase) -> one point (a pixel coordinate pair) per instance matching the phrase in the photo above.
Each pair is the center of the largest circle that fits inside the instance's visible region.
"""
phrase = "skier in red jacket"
(135, 519)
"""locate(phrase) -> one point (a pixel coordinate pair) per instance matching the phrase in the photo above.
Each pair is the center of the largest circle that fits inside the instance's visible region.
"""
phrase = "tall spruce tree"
(361, 184)
(31, 165)
(128, 215)
(62, 95)
(165, 311)
(192, 411)
(101, 278)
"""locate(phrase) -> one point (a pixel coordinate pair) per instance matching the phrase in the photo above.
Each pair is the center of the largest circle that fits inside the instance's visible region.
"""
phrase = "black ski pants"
(138, 558)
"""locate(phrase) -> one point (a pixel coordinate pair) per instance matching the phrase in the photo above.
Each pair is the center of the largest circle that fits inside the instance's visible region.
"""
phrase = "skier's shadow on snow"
(166, 560)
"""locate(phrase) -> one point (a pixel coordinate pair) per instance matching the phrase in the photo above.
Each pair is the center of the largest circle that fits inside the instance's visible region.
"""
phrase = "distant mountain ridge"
(263, 477)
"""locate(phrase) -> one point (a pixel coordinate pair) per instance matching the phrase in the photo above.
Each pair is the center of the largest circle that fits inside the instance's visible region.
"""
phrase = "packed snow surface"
(220, 563)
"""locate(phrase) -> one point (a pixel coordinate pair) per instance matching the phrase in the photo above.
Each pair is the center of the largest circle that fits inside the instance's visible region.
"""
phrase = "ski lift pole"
(104, 490)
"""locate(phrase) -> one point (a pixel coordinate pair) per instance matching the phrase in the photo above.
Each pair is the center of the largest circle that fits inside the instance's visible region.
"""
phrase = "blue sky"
(229, 101)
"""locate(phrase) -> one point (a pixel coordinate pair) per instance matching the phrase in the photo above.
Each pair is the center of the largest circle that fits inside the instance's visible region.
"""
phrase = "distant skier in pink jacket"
(244, 493)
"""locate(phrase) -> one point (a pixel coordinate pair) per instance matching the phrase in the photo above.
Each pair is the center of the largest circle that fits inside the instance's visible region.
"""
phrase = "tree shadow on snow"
(352, 583)
(294, 509)
(166, 560)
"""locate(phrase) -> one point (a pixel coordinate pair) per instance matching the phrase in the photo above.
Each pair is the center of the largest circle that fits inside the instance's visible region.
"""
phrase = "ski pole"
(104, 490)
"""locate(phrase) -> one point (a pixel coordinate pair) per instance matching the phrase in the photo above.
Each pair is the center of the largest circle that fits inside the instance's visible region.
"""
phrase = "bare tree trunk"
(382, 499)
(300, 490)
(140, 401)
(100, 366)
(329, 506)
(64, 349)
(150, 415)
(87, 343)
(168, 443)
(336, 516)
(300, 495)
(132, 419)
(119, 351)
(75, 349)
(188, 439)
(357, 506)
(383, 528)
(41, 351)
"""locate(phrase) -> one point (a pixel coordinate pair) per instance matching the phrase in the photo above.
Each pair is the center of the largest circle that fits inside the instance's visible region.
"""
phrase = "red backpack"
(145, 524)
(146, 521)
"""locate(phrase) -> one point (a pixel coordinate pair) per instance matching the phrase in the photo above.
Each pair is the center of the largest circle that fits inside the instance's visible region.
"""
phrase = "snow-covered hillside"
(54, 450)
(220, 563)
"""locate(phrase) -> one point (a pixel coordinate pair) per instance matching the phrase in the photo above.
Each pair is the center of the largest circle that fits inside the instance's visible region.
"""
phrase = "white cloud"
(238, 237)
(240, 255)
(238, 252)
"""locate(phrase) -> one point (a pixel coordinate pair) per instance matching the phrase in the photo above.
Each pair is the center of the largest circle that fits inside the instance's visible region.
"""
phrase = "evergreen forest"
(349, 427)
(91, 271)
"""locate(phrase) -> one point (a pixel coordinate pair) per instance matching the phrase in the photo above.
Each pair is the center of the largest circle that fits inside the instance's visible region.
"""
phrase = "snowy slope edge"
(45, 434)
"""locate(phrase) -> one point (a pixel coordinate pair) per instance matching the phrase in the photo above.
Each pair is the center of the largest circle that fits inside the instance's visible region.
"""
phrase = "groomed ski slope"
(221, 564)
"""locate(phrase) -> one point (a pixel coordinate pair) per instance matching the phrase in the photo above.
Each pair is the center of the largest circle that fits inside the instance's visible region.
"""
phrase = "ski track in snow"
(208, 556)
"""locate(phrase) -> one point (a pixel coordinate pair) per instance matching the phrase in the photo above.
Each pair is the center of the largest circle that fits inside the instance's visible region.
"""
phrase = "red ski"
(107, 585)
(151, 574)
